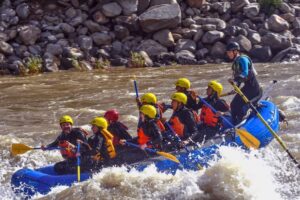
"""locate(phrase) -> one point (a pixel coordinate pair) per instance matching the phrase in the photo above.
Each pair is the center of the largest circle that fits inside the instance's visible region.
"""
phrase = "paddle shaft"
(78, 161)
(137, 146)
(237, 89)
(136, 89)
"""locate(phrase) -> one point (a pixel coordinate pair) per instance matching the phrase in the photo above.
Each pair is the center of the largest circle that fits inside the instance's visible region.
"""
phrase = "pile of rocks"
(166, 31)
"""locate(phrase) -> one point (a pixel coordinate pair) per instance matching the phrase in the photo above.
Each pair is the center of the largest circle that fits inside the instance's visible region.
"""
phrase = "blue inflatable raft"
(29, 181)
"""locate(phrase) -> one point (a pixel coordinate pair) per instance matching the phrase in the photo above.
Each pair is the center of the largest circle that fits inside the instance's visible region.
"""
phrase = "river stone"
(251, 10)
(29, 34)
(94, 27)
(198, 35)
(4, 37)
(145, 56)
(70, 12)
(100, 18)
(66, 28)
(143, 5)
(85, 42)
(6, 48)
(185, 44)
(202, 53)
(221, 7)
(151, 47)
(159, 2)
(130, 22)
(276, 42)
(50, 63)
(116, 48)
(285, 8)
(111, 9)
(220, 24)
(160, 17)
(185, 57)
(71, 52)
(238, 5)
(277, 24)
(23, 10)
(164, 37)
(209, 27)
(128, 6)
(254, 38)
(54, 49)
(211, 37)
(121, 32)
(101, 38)
(262, 54)
(218, 50)
(195, 3)
(187, 22)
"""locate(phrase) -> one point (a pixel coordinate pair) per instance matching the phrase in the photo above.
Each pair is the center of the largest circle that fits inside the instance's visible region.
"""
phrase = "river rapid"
(31, 106)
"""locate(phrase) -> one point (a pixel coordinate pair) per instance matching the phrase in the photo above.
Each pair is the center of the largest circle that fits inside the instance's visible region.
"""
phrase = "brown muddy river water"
(31, 106)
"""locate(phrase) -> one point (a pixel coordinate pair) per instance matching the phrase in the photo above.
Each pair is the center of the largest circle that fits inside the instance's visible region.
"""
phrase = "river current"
(31, 106)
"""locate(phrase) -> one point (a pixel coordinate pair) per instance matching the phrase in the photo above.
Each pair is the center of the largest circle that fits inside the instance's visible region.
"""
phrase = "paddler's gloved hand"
(194, 94)
(143, 146)
(122, 142)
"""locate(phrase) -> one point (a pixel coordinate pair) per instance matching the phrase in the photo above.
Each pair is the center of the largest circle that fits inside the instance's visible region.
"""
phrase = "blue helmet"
(233, 46)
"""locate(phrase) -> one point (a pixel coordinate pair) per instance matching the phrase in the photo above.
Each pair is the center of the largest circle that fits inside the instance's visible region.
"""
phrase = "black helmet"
(233, 46)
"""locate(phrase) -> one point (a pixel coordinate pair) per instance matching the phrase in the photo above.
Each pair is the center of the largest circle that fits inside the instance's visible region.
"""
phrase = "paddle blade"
(248, 140)
(168, 156)
(19, 149)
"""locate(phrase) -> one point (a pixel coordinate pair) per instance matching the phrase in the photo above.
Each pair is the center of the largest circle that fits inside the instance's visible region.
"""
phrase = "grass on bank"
(137, 60)
(33, 65)
(269, 6)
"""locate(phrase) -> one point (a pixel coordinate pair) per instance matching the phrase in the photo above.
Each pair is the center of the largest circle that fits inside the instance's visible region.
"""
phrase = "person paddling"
(183, 120)
(117, 128)
(209, 121)
(102, 149)
(243, 72)
(67, 141)
(183, 85)
(149, 134)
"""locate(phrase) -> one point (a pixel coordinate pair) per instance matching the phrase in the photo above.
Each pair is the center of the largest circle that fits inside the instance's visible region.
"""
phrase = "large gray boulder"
(151, 47)
(218, 50)
(111, 9)
(261, 53)
(220, 24)
(101, 38)
(159, 2)
(276, 42)
(6, 48)
(23, 10)
(185, 44)
(164, 37)
(160, 17)
(211, 37)
(128, 6)
(244, 43)
(29, 34)
(277, 24)
(238, 5)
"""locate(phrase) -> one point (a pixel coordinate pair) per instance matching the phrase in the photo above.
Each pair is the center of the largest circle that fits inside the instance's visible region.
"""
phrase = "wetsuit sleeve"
(244, 63)
(190, 123)
(154, 133)
(53, 144)
(222, 106)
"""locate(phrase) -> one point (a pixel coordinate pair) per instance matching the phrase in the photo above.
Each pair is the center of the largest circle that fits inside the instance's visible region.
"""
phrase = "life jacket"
(67, 149)
(208, 117)
(236, 68)
(177, 126)
(109, 143)
(142, 137)
(161, 126)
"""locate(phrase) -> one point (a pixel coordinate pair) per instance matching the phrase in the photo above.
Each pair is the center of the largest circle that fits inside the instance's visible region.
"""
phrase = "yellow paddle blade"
(168, 156)
(248, 140)
(19, 149)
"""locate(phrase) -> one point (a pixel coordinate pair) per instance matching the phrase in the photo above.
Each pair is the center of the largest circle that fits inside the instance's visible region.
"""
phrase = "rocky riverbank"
(85, 34)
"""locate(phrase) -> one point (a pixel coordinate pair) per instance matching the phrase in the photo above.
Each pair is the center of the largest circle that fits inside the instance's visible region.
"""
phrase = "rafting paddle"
(18, 148)
(78, 161)
(161, 153)
(136, 88)
(237, 89)
(248, 140)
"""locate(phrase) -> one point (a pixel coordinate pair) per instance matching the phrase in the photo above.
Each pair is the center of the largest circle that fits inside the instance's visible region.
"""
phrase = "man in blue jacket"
(243, 73)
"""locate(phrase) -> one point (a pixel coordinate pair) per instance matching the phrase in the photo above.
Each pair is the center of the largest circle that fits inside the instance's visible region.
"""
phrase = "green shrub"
(269, 6)
(101, 64)
(34, 65)
(137, 60)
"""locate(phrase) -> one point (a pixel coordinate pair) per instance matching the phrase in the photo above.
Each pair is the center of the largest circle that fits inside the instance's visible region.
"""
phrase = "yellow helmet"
(66, 119)
(180, 97)
(216, 86)
(149, 98)
(148, 110)
(184, 83)
(99, 122)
